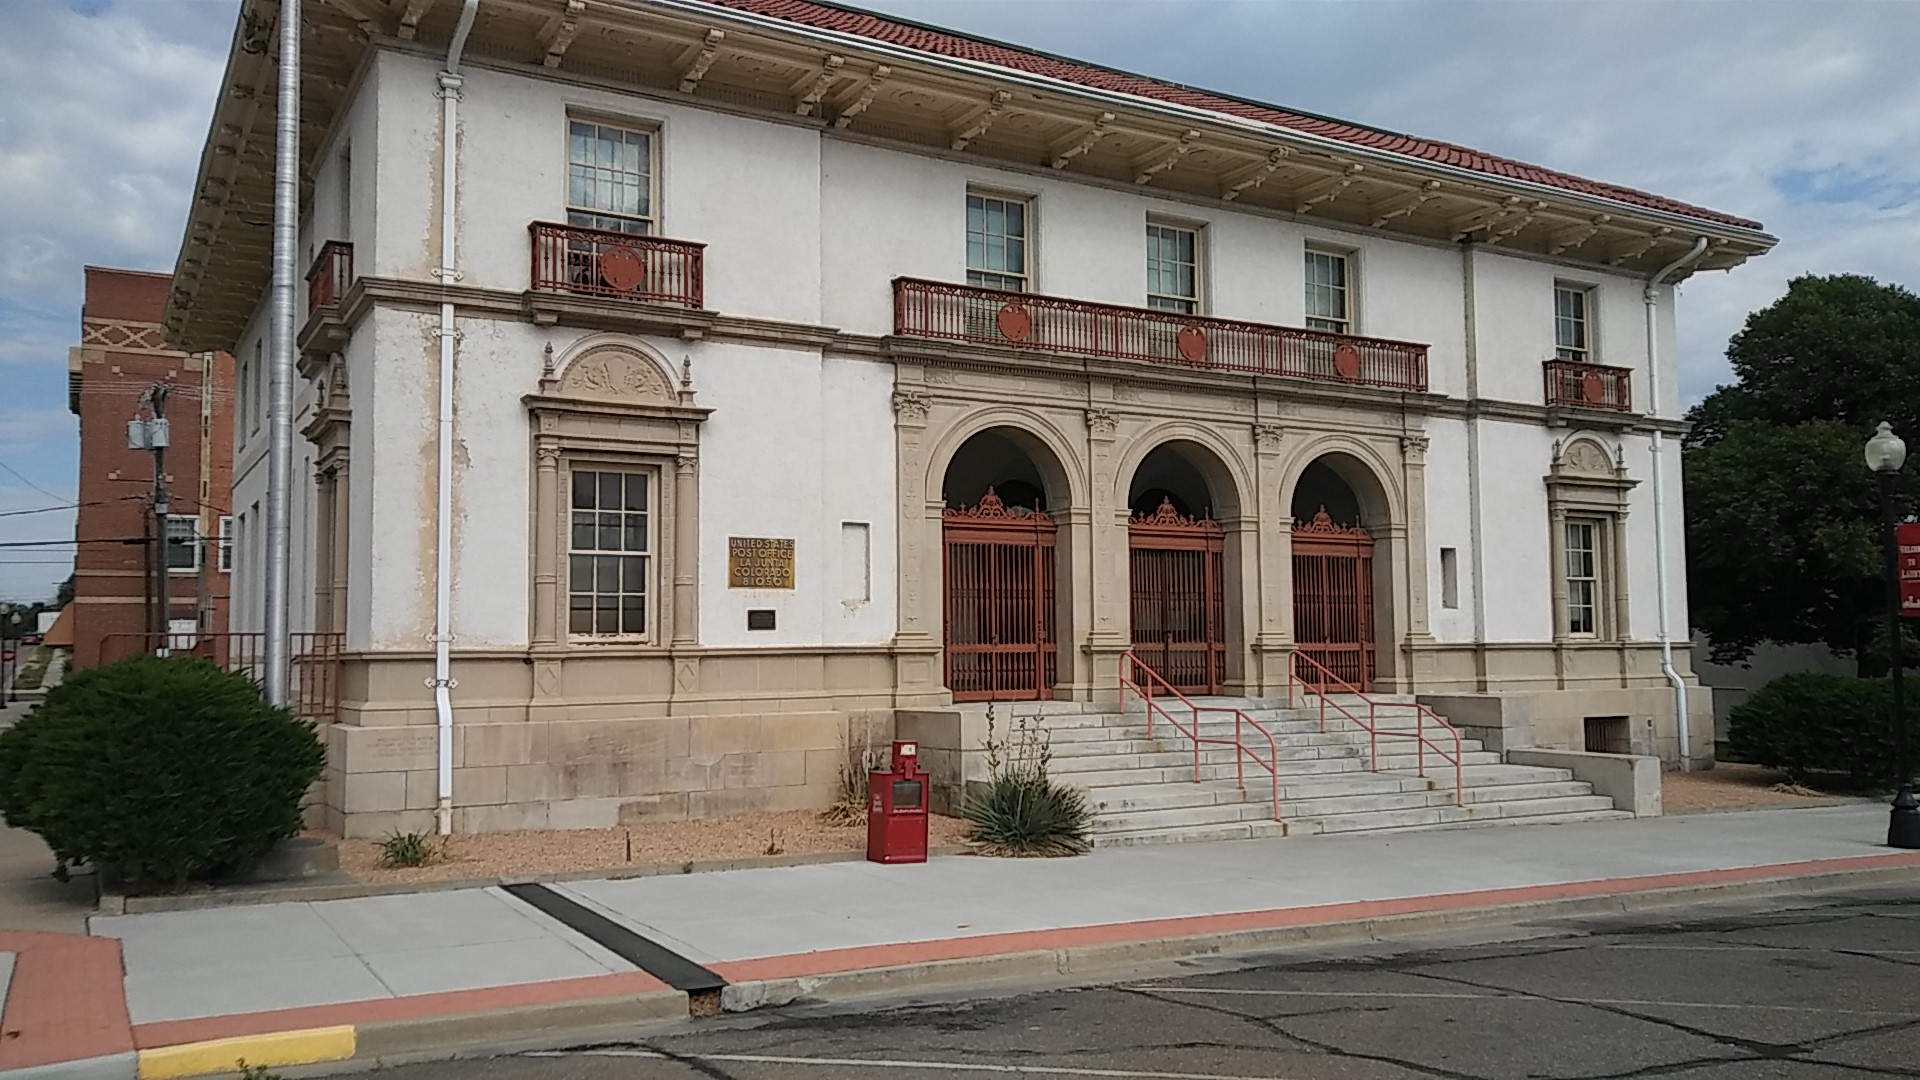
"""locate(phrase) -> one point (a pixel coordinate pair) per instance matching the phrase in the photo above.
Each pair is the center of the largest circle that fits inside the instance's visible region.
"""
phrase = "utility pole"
(150, 433)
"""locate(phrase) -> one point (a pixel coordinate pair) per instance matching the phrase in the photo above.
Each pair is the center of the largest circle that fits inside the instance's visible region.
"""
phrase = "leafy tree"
(1783, 540)
(65, 595)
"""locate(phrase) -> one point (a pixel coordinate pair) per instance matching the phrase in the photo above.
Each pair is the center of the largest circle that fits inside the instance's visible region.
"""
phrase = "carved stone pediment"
(615, 375)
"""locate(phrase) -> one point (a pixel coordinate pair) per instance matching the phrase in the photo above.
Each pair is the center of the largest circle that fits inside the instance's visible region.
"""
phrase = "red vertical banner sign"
(1907, 539)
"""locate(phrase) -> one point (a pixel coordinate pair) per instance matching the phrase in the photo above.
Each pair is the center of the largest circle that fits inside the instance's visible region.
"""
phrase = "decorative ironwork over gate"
(1000, 642)
(1333, 599)
(1179, 605)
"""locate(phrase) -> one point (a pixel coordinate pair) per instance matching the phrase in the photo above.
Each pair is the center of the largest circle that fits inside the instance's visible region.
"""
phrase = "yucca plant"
(411, 849)
(1023, 811)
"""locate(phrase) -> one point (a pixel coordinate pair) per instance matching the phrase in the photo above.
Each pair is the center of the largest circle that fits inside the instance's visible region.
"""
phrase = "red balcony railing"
(330, 276)
(1589, 386)
(567, 258)
(933, 309)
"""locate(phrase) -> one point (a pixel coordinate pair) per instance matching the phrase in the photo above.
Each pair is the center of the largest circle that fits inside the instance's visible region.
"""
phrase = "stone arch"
(1378, 497)
(1348, 609)
(1060, 470)
(1211, 458)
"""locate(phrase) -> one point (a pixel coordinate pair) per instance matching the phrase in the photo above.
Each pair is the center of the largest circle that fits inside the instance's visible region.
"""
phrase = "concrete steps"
(1143, 791)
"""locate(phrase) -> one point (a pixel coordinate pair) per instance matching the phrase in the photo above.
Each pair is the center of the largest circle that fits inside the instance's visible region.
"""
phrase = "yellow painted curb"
(225, 1055)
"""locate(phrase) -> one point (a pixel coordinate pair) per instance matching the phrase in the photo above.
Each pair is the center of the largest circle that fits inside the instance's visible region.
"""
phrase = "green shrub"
(1022, 811)
(163, 770)
(1809, 722)
(411, 849)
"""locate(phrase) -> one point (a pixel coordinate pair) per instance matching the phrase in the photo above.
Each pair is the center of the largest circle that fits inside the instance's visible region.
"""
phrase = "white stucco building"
(1027, 364)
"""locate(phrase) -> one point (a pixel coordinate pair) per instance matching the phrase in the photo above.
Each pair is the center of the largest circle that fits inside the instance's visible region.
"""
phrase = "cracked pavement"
(1815, 987)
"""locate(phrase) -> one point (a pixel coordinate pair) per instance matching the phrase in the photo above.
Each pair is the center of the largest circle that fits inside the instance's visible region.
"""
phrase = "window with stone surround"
(609, 572)
(1587, 491)
(616, 496)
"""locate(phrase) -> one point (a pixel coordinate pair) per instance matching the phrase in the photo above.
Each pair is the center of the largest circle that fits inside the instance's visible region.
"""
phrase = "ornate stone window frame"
(612, 405)
(1588, 481)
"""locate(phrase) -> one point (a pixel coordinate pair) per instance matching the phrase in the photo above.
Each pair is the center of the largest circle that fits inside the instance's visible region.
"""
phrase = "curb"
(108, 1067)
(1085, 963)
(112, 903)
(223, 1055)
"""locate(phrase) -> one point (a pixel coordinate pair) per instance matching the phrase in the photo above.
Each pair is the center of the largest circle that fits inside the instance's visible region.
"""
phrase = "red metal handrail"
(936, 309)
(598, 262)
(1590, 386)
(330, 276)
(313, 657)
(1131, 664)
(1372, 723)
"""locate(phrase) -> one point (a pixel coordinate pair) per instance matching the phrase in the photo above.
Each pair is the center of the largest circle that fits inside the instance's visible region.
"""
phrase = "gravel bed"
(1728, 786)
(667, 843)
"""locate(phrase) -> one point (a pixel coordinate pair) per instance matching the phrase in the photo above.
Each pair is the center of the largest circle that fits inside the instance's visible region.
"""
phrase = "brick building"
(121, 357)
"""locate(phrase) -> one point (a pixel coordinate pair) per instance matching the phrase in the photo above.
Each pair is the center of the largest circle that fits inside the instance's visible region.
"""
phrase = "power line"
(68, 506)
(29, 483)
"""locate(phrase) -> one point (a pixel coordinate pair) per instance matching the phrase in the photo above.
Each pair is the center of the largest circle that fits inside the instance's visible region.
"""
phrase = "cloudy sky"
(1803, 115)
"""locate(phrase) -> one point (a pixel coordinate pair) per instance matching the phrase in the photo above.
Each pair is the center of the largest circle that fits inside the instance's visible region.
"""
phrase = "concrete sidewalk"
(394, 973)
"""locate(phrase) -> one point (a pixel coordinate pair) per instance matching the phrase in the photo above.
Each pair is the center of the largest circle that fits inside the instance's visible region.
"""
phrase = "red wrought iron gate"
(1179, 603)
(1333, 599)
(999, 570)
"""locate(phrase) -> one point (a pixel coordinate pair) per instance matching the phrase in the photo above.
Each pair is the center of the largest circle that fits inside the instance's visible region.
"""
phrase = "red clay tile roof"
(942, 43)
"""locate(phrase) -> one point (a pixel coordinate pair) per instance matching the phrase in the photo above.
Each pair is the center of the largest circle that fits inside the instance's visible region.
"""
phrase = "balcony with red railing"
(1589, 386)
(330, 275)
(934, 309)
(616, 265)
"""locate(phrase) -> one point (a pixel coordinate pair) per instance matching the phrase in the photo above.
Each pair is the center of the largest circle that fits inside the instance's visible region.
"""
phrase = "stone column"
(342, 519)
(919, 633)
(1418, 630)
(323, 507)
(1273, 581)
(686, 550)
(547, 525)
(1100, 530)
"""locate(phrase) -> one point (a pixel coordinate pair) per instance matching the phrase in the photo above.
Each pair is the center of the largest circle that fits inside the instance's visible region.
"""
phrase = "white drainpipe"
(442, 681)
(1652, 297)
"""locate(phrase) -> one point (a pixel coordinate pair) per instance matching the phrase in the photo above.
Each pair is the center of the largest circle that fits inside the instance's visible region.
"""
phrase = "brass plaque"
(759, 562)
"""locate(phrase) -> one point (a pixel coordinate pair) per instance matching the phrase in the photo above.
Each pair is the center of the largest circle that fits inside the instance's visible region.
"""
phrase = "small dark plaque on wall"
(760, 619)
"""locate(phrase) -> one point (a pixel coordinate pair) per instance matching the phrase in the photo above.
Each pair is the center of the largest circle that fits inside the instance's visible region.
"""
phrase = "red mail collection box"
(897, 809)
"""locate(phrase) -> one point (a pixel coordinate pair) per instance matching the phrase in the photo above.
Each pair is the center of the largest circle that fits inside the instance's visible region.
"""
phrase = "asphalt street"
(1829, 987)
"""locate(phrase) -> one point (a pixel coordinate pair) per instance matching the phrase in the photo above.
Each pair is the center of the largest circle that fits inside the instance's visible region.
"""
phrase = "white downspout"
(1652, 297)
(442, 681)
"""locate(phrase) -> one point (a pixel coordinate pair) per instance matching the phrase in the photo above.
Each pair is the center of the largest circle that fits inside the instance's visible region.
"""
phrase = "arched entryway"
(1176, 563)
(1335, 506)
(1001, 598)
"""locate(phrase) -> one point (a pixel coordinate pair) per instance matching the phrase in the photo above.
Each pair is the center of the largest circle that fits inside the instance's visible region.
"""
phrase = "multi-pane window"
(997, 242)
(1329, 300)
(1583, 577)
(609, 178)
(1173, 277)
(609, 554)
(226, 545)
(183, 543)
(1570, 326)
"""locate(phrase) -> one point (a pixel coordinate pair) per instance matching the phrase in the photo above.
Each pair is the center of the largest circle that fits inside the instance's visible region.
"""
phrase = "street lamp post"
(1885, 454)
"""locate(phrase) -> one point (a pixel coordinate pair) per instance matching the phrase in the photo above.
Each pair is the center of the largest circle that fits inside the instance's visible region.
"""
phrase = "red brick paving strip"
(832, 961)
(68, 999)
(383, 1010)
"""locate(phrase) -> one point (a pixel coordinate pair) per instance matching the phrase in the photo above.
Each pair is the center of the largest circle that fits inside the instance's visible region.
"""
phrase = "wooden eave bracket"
(1064, 151)
(559, 32)
(1638, 246)
(1325, 190)
(1405, 203)
(694, 65)
(865, 95)
(410, 18)
(1151, 165)
(1520, 219)
(1575, 235)
(1251, 177)
(368, 15)
(979, 119)
(1485, 217)
(815, 86)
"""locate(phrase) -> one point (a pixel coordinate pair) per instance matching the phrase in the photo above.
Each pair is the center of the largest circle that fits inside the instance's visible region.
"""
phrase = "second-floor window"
(997, 242)
(226, 544)
(1572, 337)
(1329, 294)
(183, 543)
(609, 178)
(1173, 268)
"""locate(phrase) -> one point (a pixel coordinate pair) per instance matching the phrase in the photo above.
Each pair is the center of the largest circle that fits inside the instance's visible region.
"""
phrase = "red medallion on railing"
(622, 268)
(1593, 388)
(1346, 361)
(1192, 343)
(1015, 322)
